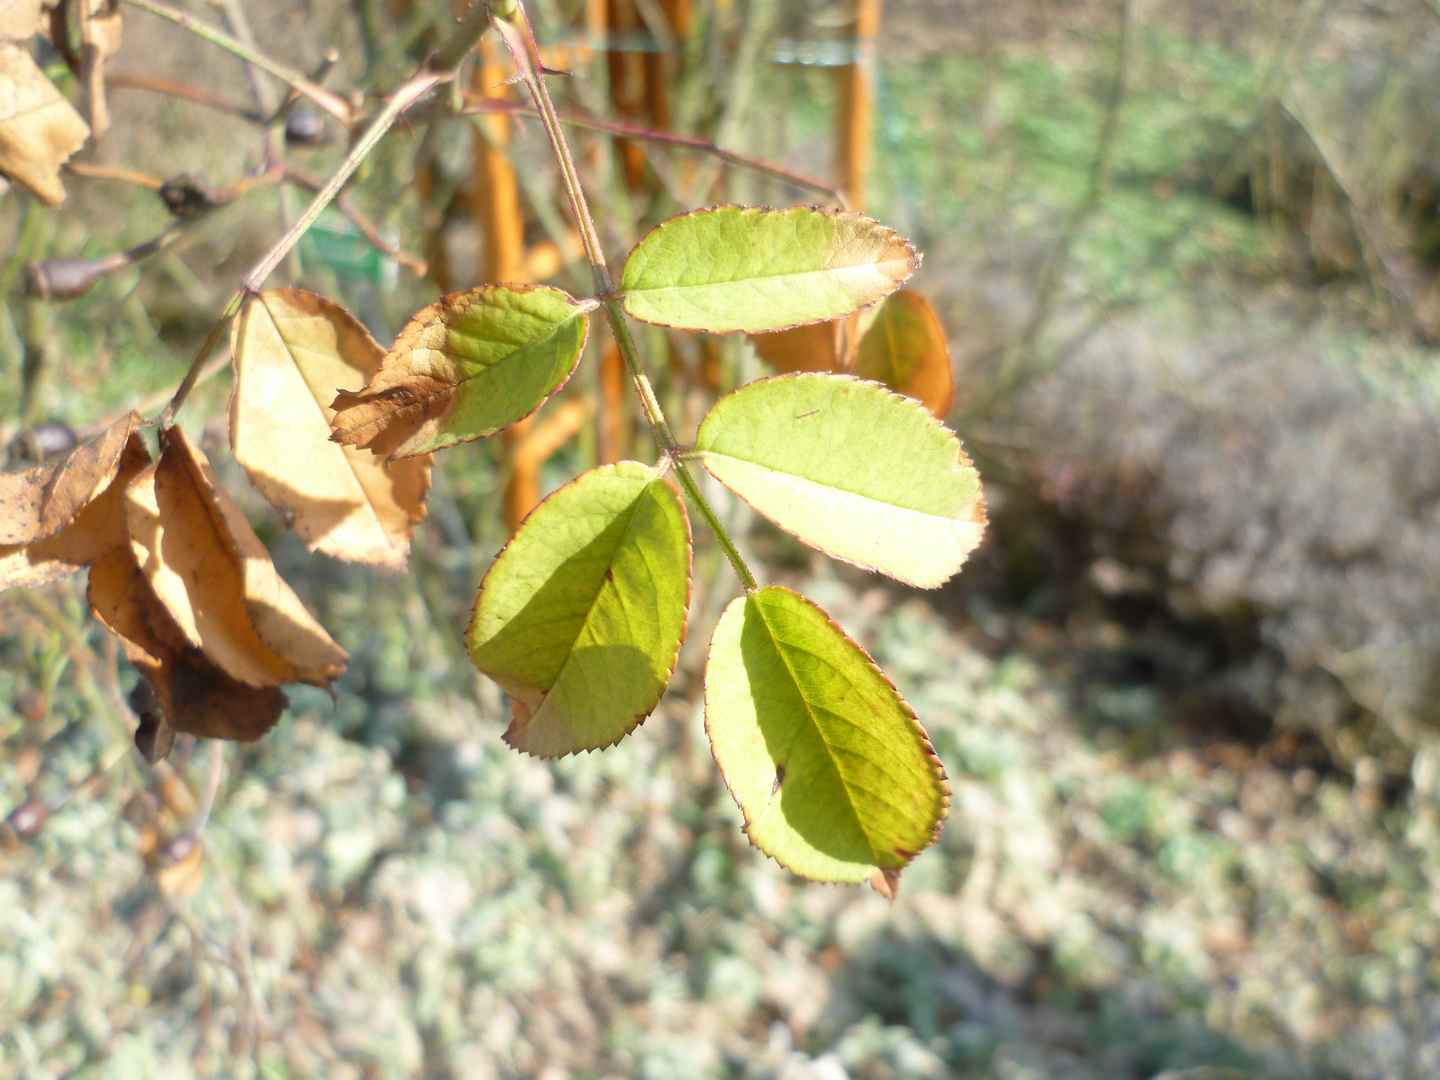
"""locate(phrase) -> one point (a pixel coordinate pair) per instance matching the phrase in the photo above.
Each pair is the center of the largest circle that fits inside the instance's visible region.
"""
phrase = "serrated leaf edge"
(916, 257)
(583, 309)
(931, 418)
(658, 474)
(927, 749)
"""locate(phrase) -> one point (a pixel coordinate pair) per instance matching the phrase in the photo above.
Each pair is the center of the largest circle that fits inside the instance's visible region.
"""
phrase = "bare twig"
(333, 104)
(181, 90)
(520, 40)
(366, 227)
(477, 104)
(440, 69)
(93, 171)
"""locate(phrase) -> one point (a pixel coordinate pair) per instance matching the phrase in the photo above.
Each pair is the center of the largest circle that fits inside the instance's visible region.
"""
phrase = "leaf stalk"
(520, 40)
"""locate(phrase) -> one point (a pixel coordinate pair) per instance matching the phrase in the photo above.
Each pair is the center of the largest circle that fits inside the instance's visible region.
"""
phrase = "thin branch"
(92, 171)
(442, 68)
(218, 362)
(332, 103)
(181, 90)
(475, 103)
(363, 224)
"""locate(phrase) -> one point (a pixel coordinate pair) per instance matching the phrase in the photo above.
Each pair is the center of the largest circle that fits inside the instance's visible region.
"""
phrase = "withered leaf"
(96, 530)
(813, 347)
(191, 693)
(906, 349)
(39, 129)
(20, 20)
(464, 368)
(215, 578)
(39, 502)
(293, 351)
(100, 29)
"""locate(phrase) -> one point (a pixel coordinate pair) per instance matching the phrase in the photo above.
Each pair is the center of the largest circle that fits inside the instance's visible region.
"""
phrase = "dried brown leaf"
(293, 351)
(192, 694)
(906, 349)
(39, 129)
(215, 578)
(39, 502)
(20, 20)
(96, 530)
(813, 347)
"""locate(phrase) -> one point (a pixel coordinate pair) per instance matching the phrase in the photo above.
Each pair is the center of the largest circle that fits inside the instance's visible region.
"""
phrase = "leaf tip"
(886, 881)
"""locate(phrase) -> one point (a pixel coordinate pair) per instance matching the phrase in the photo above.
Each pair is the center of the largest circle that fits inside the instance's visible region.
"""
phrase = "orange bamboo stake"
(857, 106)
(495, 193)
(628, 89)
(612, 436)
(855, 123)
(495, 206)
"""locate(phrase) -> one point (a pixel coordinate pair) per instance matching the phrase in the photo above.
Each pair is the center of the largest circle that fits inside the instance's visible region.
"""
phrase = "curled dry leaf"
(813, 347)
(466, 368)
(293, 351)
(214, 578)
(39, 502)
(906, 349)
(100, 28)
(96, 529)
(39, 129)
(191, 693)
(20, 20)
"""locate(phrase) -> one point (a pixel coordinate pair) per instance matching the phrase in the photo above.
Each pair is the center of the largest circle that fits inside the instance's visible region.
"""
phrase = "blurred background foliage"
(1185, 692)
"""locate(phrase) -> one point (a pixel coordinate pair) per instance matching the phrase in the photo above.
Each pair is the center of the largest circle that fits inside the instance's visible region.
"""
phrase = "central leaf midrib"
(595, 597)
(823, 271)
(832, 487)
(810, 713)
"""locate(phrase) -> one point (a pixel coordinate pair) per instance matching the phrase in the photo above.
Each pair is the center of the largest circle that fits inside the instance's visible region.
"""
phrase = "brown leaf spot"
(382, 418)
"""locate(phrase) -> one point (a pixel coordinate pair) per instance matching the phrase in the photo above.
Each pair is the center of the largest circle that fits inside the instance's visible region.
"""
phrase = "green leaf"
(581, 617)
(753, 269)
(464, 368)
(831, 768)
(846, 466)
